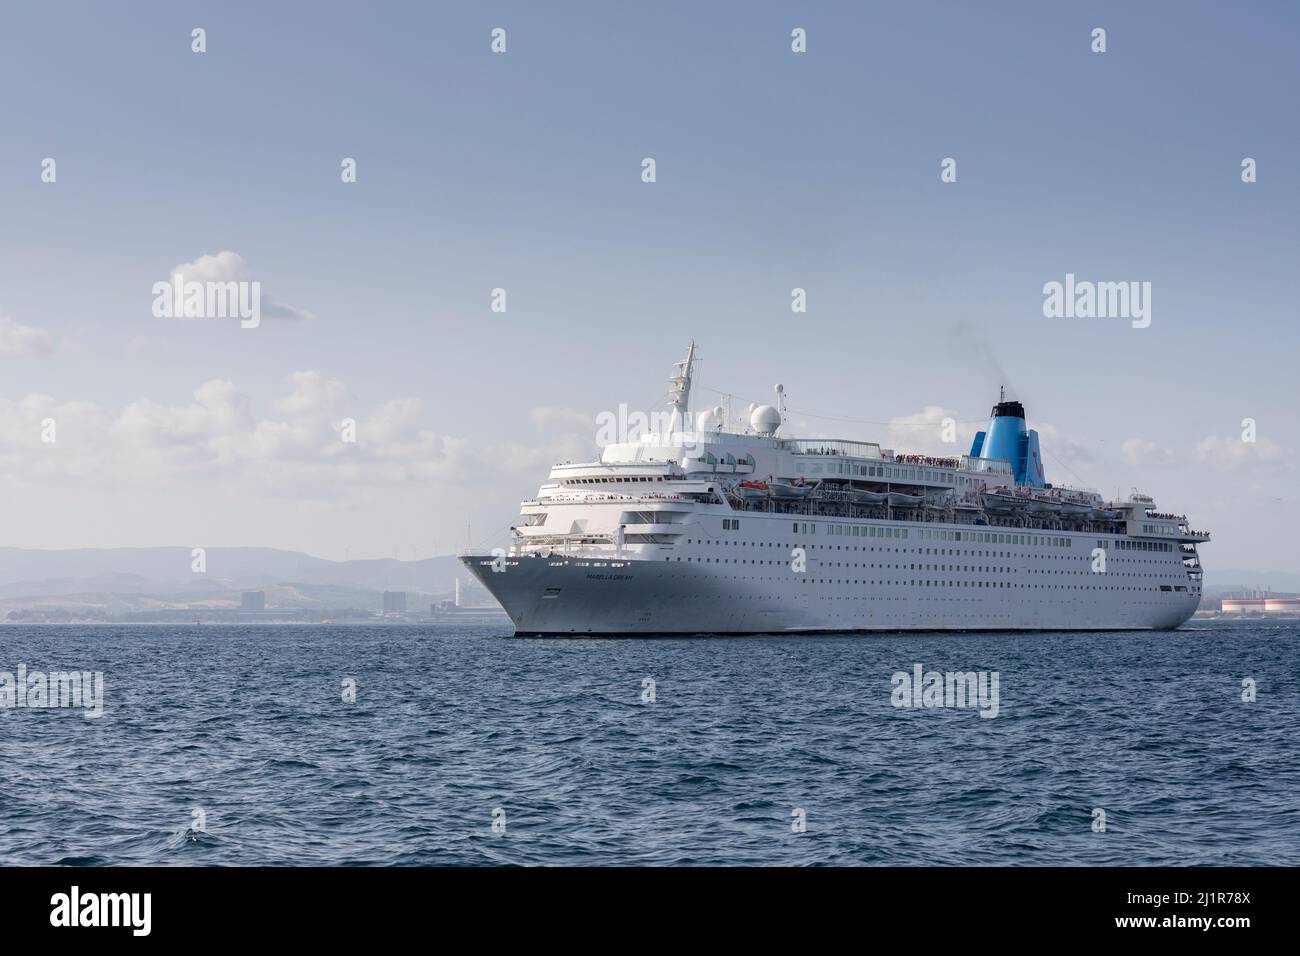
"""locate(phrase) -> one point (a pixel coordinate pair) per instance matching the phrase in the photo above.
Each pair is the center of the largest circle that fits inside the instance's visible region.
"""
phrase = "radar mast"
(679, 395)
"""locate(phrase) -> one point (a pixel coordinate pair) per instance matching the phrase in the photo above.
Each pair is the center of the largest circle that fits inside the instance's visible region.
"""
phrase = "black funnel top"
(1008, 410)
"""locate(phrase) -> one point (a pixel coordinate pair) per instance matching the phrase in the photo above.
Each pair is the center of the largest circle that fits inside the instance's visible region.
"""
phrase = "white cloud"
(1142, 453)
(218, 436)
(273, 308)
(923, 432)
(227, 266)
(1233, 454)
(24, 340)
(313, 392)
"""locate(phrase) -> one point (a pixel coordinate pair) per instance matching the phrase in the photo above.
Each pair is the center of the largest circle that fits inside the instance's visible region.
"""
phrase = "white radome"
(710, 419)
(765, 420)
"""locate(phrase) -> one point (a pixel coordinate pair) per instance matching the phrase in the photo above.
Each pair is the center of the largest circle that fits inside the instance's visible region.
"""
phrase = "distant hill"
(117, 579)
(141, 569)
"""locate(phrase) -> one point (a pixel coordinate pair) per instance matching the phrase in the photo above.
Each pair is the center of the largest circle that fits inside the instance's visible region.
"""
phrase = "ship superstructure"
(704, 527)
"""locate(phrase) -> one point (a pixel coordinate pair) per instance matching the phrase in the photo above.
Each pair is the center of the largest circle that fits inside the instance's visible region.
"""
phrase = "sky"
(522, 171)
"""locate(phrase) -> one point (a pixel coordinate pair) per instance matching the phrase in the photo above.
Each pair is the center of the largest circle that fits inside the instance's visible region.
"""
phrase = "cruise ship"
(700, 526)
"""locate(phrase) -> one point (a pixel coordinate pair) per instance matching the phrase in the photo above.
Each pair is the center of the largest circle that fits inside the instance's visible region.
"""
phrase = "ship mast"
(679, 396)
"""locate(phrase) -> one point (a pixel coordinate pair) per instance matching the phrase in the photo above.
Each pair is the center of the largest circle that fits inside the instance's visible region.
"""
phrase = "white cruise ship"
(699, 527)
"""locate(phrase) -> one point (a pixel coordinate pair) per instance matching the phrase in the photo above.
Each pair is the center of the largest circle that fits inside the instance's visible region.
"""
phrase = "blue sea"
(233, 745)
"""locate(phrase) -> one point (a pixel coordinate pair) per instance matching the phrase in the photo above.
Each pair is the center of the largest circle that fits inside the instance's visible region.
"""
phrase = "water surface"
(452, 725)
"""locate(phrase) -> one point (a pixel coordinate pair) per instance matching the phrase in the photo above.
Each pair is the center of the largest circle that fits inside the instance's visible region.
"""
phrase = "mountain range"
(121, 579)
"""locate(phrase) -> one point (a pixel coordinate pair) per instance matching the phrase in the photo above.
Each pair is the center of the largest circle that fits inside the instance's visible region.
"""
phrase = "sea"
(380, 745)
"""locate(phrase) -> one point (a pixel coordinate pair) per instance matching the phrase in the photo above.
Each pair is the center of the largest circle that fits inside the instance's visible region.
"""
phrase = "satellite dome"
(710, 419)
(765, 420)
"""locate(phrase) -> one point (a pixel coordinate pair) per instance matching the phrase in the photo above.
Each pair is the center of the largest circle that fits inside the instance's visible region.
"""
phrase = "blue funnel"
(1008, 439)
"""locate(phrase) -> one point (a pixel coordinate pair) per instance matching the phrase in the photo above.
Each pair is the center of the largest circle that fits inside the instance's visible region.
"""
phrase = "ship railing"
(848, 449)
(575, 544)
(928, 461)
(995, 466)
(1078, 490)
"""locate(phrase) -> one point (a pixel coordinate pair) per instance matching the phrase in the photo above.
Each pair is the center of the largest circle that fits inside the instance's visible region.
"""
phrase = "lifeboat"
(780, 488)
(1002, 502)
(869, 497)
(899, 500)
(752, 489)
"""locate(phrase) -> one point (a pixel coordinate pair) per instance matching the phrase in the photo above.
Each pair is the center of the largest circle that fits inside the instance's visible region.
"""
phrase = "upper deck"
(702, 463)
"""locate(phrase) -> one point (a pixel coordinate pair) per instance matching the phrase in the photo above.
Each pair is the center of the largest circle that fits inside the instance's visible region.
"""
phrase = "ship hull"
(555, 596)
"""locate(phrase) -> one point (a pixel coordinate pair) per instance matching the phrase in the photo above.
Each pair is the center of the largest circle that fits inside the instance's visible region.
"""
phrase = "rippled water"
(452, 724)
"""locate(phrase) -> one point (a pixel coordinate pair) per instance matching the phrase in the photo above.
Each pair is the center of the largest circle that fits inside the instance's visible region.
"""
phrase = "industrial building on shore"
(1262, 605)
(1259, 602)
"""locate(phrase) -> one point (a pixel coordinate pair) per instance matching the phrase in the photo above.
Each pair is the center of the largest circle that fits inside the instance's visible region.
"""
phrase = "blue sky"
(522, 171)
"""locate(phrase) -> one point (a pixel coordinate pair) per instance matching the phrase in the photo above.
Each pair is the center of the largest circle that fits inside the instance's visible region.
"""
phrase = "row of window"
(874, 531)
(957, 552)
(897, 473)
(977, 569)
(613, 479)
(939, 534)
(928, 534)
(1139, 545)
(923, 583)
